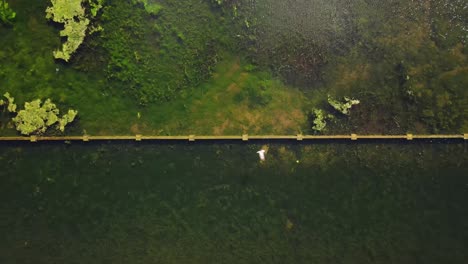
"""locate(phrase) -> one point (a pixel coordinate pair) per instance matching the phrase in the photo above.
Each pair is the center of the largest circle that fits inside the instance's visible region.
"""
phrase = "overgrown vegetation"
(7, 15)
(257, 92)
(406, 61)
(158, 50)
(37, 116)
(73, 15)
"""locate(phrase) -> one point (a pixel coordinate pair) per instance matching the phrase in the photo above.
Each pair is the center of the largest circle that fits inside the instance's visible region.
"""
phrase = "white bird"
(261, 154)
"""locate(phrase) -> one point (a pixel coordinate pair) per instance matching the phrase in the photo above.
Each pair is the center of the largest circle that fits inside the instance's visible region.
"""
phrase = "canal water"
(316, 202)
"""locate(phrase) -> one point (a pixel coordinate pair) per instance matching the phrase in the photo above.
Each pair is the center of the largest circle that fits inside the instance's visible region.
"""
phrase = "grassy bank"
(209, 67)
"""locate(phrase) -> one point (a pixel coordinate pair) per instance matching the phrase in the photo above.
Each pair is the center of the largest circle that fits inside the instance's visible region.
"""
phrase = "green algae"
(341, 107)
(10, 102)
(38, 116)
(151, 7)
(7, 15)
(72, 15)
(320, 119)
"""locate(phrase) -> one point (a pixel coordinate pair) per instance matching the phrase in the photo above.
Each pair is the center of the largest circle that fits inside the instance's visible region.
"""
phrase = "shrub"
(7, 15)
(37, 117)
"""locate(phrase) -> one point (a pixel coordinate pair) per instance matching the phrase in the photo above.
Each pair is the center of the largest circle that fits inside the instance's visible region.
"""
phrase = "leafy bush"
(37, 117)
(11, 106)
(7, 15)
(73, 16)
(343, 107)
(319, 119)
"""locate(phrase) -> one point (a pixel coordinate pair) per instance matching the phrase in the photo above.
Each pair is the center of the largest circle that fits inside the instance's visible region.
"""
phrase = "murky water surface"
(216, 203)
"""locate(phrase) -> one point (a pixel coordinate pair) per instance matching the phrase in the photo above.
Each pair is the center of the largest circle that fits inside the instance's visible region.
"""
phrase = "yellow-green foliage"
(11, 106)
(343, 107)
(75, 33)
(151, 8)
(72, 14)
(95, 6)
(7, 15)
(319, 121)
(66, 118)
(219, 2)
(37, 117)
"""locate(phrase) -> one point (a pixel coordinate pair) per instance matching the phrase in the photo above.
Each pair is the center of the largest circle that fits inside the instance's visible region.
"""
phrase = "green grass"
(215, 107)
(108, 106)
(184, 70)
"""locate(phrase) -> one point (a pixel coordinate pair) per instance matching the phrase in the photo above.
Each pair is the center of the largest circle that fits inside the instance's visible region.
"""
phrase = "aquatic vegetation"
(72, 15)
(7, 15)
(230, 3)
(319, 119)
(154, 58)
(353, 48)
(295, 48)
(150, 7)
(66, 119)
(408, 65)
(37, 117)
(343, 107)
(178, 212)
(95, 6)
(413, 76)
(11, 106)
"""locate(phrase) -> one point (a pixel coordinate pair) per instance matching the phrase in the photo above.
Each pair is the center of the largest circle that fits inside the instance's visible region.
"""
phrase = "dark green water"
(216, 203)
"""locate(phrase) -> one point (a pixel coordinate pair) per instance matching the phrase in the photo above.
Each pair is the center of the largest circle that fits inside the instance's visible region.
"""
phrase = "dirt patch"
(358, 73)
(219, 130)
(420, 128)
(33, 25)
(285, 121)
(141, 128)
(234, 68)
(243, 77)
(135, 129)
(251, 117)
(196, 105)
(268, 120)
(252, 121)
(297, 115)
(233, 88)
